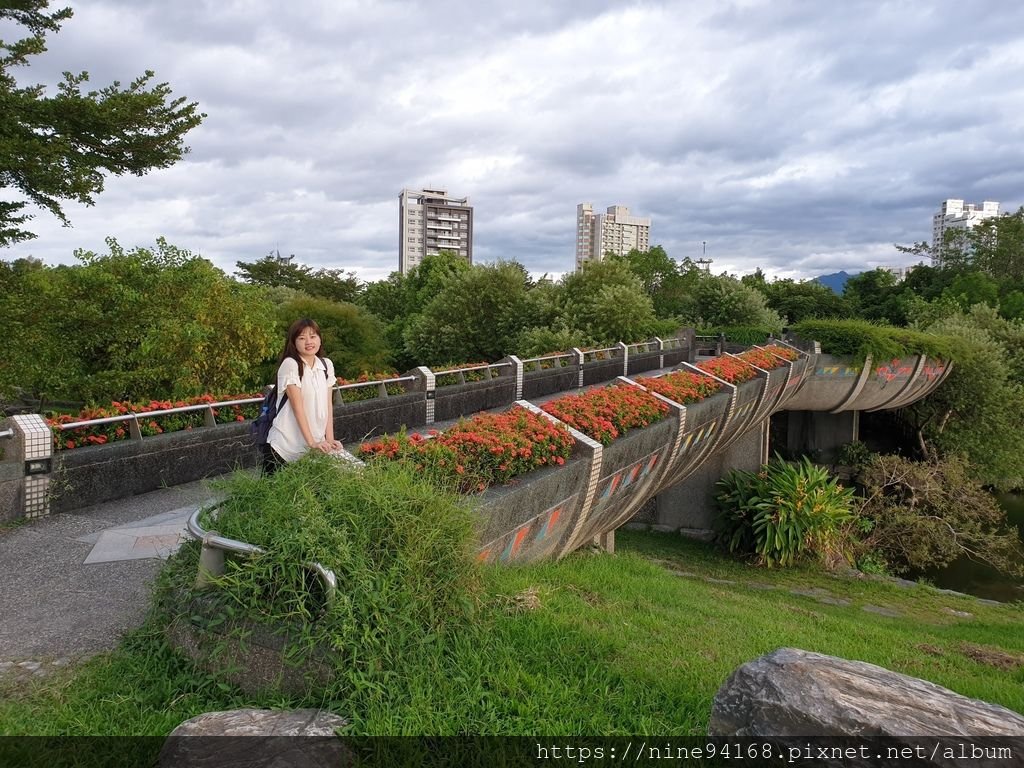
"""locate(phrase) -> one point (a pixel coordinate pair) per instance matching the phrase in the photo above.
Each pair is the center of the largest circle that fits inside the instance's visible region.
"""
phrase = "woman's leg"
(271, 462)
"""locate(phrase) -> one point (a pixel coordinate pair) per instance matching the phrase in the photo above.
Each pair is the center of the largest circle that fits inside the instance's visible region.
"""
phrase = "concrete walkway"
(72, 584)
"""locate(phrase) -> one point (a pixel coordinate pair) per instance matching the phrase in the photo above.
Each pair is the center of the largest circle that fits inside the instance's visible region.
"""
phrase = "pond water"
(978, 579)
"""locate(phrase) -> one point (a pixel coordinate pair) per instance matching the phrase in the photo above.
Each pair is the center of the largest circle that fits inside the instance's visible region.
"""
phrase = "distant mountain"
(835, 281)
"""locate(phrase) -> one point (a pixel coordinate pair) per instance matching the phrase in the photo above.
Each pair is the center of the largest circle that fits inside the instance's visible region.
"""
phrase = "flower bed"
(768, 357)
(105, 433)
(484, 450)
(681, 387)
(732, 369)
(604, 414)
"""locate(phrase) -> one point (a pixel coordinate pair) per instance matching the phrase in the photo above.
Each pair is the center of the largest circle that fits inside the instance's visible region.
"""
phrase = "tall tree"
(607, 301)
(272, 271)
(59, 148)
(477, 316)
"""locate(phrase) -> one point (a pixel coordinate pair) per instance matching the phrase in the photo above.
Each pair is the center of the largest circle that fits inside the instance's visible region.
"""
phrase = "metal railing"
(604, 353)
(135, 431)
(554, 360)
(490, 371)
(381, 385)
(214, 547)
(209, 417)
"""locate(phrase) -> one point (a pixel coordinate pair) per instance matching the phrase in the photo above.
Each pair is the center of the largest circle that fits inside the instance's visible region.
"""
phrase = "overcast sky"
(799, 137)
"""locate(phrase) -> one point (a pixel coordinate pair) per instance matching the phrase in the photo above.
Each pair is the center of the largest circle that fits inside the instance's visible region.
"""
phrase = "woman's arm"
(331, 379)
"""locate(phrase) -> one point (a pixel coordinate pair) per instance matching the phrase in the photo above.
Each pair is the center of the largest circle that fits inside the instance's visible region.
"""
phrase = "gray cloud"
(795, 136)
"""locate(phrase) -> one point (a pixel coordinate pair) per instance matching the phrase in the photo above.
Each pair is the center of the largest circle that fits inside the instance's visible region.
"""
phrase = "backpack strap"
(327, 377)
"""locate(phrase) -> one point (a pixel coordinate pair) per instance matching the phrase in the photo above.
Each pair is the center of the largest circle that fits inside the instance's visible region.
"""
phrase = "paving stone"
(841, 601)
(882, 610)
(960, 614)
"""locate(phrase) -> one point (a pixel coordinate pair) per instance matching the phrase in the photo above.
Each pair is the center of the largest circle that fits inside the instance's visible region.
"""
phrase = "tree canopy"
(59, 148)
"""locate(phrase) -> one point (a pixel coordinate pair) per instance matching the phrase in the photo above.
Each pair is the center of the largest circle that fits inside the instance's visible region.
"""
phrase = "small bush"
(783, 512)
(855, 454)
(742, 334)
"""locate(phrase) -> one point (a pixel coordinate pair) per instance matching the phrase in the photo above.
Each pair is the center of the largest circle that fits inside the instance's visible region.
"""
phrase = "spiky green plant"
(783, 511)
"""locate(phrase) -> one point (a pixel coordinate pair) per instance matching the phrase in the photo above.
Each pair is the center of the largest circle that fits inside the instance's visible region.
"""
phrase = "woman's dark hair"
(290, 350)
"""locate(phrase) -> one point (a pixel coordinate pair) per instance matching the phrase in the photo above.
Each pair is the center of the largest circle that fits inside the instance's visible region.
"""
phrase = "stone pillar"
(624, 348)
(578, 354)
(425, 383)
(689, 337)
(26, 467)
(661, 351)
(515, 368)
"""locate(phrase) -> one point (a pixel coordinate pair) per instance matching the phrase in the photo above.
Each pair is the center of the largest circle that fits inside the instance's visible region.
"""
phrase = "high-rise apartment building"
(429, 221)
(615, 231)
(955, 214)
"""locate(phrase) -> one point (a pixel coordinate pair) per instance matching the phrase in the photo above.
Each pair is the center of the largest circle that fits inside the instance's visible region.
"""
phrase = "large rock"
(206, 741)
(792, 693)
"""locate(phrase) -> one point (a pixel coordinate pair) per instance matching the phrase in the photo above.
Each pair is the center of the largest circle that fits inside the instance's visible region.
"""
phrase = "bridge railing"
(458, 375)
(132, 417)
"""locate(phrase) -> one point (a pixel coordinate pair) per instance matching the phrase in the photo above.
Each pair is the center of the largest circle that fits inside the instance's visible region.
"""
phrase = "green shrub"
(783, 512)
(925, 514)
(854, 454)
(860, 338)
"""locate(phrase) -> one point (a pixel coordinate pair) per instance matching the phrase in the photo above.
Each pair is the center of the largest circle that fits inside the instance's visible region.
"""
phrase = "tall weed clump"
(401, 549)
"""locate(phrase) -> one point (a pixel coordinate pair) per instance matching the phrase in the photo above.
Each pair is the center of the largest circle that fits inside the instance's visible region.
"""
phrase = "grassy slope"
(591, 645)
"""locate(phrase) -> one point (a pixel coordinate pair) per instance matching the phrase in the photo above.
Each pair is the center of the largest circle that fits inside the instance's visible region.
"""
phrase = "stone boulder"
(257, 738)
(791, 693)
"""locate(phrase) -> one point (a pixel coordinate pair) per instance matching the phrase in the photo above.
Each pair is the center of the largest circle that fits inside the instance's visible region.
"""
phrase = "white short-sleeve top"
(285, 436)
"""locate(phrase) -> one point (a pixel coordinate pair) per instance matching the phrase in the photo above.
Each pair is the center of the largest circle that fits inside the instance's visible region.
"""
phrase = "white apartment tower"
(429, 221)
(955, 214)
(615, 231)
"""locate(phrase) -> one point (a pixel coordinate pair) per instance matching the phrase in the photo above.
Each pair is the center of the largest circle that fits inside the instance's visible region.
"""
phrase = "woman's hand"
(328, 446)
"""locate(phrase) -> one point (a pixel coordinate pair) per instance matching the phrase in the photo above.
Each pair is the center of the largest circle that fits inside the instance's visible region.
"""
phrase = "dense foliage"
(59, 148)
(131, 324)
(783, 512)
(925, 514)
(860, 338)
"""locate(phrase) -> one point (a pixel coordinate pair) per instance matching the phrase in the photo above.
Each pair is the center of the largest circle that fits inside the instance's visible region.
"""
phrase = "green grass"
(594, 644)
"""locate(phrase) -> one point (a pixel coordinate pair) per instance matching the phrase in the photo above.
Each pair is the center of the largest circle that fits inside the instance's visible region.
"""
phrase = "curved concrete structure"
(551, 515)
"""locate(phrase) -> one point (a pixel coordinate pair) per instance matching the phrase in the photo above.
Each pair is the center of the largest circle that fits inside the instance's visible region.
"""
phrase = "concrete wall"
(689, 506)
(820, 434)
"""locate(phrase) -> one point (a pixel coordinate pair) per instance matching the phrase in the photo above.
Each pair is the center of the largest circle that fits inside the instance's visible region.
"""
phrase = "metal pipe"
(213, 542)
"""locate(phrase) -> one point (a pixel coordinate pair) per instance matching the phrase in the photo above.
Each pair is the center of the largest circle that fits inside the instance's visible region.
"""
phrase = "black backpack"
(260, 427)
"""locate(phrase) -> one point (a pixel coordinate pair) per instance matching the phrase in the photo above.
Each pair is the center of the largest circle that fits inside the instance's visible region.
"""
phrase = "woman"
(305, 416)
